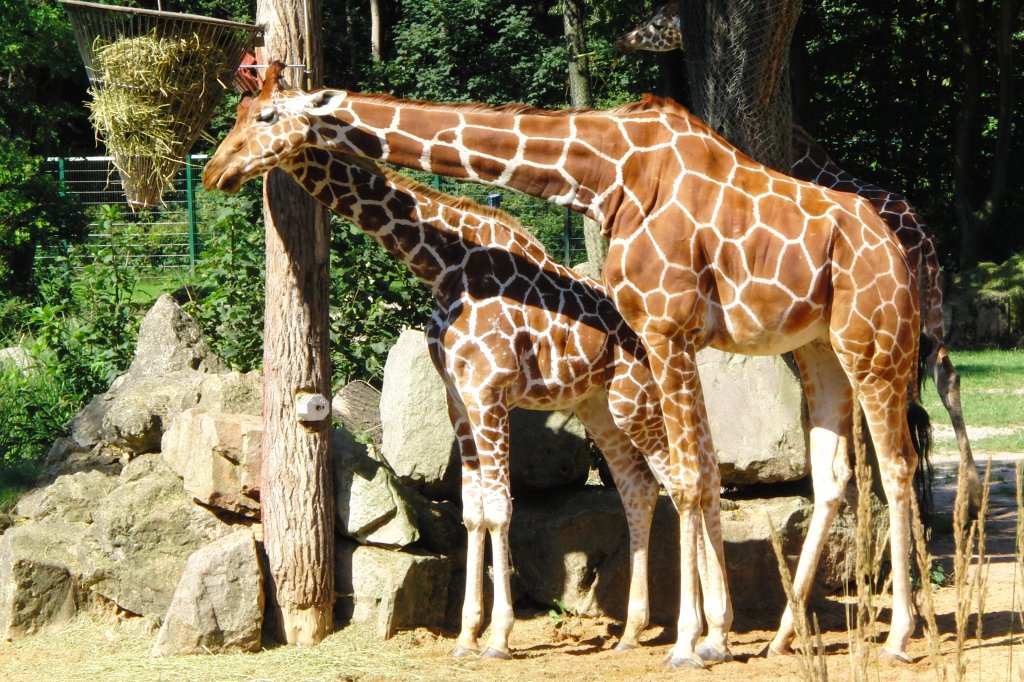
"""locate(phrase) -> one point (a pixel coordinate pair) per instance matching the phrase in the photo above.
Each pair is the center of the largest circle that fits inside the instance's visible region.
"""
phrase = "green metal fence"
(168, 239)
(162, 239)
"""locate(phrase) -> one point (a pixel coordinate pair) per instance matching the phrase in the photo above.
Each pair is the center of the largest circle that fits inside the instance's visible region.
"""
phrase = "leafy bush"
(32, 211)
(35, 407)
(230, 279)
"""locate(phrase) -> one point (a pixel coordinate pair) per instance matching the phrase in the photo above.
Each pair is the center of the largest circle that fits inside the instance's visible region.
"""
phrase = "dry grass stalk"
(981, 572)
(811, 655)
(1016, 609)
(967, 584)
(924, 564)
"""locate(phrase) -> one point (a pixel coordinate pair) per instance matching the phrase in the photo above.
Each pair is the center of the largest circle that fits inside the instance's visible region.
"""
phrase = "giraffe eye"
(321, 99)
(267, 115)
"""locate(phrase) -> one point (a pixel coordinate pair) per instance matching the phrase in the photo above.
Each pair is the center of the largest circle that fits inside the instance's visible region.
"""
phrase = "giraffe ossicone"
(707, 247)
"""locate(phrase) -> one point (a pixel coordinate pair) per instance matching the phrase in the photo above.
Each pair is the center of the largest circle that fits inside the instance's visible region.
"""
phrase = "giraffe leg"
(829, 401)
(472, 517)
(711, 565)
(947, 383)
(639, 492)
(492, 442)
(897, 459)
(674, 366)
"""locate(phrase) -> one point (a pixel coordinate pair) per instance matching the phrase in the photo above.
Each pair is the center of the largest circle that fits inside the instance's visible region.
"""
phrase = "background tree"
(973, 216)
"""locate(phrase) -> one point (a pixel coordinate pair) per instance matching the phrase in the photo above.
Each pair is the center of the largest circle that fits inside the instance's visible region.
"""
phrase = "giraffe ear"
(272, 81)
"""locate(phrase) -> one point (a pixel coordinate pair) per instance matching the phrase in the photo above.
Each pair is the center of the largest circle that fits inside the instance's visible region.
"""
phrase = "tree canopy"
(880, 83)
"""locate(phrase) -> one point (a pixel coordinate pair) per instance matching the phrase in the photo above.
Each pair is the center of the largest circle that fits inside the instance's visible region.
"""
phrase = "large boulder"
(372, 505)
(218, 604)
(394, 590)
(142, 534)
(574, 547)
(71, 498)
(38, 586)
(170, 341)
(172, 371)
(218, 456)
(547, 449)
(757, 417)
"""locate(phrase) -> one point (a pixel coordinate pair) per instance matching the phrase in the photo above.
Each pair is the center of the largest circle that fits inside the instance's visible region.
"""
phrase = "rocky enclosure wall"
(153, 501)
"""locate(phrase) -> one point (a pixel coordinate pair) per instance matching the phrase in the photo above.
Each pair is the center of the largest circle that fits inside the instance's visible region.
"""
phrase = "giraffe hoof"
(897, 656)
(770, 652)
(686, 662)
(464, 652)
(623, 646)
(709, 654)
(495, 654)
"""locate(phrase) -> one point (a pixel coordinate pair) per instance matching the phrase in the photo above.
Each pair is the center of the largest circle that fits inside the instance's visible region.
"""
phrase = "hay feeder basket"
(155, 80)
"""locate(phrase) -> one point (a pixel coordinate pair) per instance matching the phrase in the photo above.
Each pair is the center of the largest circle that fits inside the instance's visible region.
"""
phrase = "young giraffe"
(707, 247)
(510, 327)
(663, 33)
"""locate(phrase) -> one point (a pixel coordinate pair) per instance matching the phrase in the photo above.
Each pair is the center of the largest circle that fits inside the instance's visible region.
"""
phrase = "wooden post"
(297, 497)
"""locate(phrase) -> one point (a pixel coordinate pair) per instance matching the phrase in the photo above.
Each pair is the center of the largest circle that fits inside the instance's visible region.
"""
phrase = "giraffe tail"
(921, 438)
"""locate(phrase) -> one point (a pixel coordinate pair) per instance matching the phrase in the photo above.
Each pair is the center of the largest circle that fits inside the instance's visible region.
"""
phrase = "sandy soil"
(95, 647)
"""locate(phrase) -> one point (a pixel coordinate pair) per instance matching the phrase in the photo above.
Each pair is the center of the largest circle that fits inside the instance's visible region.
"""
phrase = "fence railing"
(168, 237)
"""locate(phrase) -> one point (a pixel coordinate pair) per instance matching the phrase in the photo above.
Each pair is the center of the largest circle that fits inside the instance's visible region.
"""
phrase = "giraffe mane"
(461, 204)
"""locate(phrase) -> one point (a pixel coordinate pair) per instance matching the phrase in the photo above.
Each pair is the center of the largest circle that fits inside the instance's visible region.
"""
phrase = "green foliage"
(475, 50)
(230, 278)
(373, 298)
(35, 407)
(33, 211)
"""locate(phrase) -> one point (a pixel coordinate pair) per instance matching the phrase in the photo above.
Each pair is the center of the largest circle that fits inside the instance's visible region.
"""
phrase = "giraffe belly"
(766, 341)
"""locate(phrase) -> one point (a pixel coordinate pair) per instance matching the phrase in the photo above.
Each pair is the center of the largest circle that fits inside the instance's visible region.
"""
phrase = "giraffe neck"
(431, 233)
(812, 163)
(570, 158)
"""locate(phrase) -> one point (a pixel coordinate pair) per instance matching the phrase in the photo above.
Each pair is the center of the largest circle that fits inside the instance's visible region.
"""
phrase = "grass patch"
(990, 389)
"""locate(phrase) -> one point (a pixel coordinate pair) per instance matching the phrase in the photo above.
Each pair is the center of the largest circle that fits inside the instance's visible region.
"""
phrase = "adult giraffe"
(707, 247)
(511, 327)
(663, 32)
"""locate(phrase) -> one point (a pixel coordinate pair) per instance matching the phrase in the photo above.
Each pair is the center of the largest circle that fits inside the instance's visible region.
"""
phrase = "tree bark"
(974, 220)
(375, 30)
(580, 95)
(297, 497)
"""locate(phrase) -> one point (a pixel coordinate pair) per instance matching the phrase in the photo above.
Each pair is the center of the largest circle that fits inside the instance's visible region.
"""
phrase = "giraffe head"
(270, 130)
(661, 33)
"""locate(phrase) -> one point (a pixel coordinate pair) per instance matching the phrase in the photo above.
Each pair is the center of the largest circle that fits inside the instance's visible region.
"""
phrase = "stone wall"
(154, 496)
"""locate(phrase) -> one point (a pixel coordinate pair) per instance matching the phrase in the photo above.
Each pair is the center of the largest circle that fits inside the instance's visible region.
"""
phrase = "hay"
(147, 88)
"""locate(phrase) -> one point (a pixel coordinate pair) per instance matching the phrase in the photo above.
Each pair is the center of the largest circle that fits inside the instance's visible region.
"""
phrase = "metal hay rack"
(156, 79)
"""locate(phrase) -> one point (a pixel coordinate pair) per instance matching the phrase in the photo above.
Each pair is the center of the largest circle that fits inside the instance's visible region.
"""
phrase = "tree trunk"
(375, 30)
(974, 220)
(297, 497)
(580, 96)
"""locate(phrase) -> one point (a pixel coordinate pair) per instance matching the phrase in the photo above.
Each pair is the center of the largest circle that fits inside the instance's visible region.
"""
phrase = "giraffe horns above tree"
(707, 247)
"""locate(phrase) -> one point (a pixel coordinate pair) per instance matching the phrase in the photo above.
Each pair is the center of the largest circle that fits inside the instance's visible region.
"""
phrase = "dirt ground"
(97, 647)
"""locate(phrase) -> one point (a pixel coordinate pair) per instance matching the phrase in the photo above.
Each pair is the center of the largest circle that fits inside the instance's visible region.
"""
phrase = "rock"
(372, 505)
(17, 357)
(218, 604)
(38, 590)
(357, 407)
(141, 536)
(392, 589)
(173, 370)
(983, 318)
(768, 443)
(66, 456)
(70, 498)
(218, 456)
(574, 547)
(170, 341)
(419, 442)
